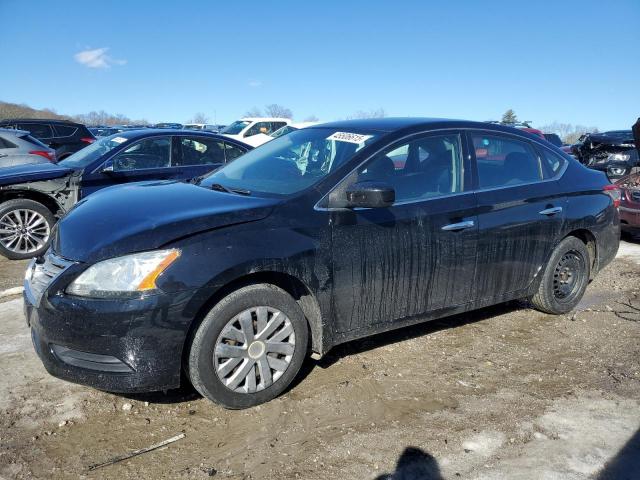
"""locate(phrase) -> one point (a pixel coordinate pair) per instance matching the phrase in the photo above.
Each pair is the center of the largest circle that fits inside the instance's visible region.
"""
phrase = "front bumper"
(113, 345)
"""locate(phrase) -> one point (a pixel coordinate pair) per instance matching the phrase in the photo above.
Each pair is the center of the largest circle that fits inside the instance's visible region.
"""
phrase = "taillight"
(87, 140)
(51, 156)
(614, 192)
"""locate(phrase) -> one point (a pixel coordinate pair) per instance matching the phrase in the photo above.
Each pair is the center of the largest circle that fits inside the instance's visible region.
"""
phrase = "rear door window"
(154, 152)
(504, 161)
(201, 151)
(38, 130)
(276, 125)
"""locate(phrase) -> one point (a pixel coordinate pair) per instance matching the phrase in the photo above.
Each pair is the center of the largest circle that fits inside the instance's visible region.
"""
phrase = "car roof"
(266, 119)
(395, 124)
(136, 134)
(39, 120)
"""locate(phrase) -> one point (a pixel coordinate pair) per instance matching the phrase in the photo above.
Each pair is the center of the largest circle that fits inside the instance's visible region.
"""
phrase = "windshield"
(236, 127)
(93, 152)
(291, 163)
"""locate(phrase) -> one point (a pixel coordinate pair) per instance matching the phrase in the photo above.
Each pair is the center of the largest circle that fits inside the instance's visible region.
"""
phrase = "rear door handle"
(454, 227)
(551, 211)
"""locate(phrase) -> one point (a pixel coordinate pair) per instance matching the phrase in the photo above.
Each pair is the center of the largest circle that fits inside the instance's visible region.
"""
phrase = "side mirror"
(108, 167)
(370, 195)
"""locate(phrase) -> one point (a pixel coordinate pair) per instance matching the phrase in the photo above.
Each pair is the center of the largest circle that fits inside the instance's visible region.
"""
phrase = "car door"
(520, 213)
(145, 159)
(416, 256)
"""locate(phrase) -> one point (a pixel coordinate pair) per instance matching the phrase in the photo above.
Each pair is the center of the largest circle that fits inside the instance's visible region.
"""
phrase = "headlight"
(618, 157)
(123, 276)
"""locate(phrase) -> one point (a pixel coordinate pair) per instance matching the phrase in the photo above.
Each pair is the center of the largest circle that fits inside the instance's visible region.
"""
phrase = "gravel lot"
(502, 393)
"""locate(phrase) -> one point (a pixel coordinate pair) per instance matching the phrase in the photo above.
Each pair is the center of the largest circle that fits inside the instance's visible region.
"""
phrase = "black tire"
(200, 363)
(565, 278)
(29, 205)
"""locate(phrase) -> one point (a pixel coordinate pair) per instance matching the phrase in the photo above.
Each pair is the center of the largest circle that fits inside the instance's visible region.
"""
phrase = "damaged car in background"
(327, 234)
(611, 152)
(630, 204)
(33, 196)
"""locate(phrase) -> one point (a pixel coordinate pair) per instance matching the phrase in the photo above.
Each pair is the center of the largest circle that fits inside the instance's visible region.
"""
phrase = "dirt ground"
(502, 393)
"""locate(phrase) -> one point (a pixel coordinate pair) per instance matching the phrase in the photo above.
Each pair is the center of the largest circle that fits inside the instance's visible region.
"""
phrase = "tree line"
(568, 132)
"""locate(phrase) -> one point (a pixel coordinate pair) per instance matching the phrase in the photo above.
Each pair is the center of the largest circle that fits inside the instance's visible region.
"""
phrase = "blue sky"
(567, 61)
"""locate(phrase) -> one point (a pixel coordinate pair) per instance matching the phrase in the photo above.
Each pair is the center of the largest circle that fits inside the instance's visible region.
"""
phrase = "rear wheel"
(249, 347)
(565, 278)
(25, 228)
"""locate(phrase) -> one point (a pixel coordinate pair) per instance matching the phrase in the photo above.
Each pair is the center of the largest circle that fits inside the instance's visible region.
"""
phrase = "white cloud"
(97, 58)
(255, 83)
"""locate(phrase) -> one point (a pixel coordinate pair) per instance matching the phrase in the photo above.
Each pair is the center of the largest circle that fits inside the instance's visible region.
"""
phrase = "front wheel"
(25, 228)
(249, 347)
(565, 278)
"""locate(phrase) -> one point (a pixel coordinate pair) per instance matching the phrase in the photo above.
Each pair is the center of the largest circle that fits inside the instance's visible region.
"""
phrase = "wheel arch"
(291, 284)
(42, 198)
(589, 239)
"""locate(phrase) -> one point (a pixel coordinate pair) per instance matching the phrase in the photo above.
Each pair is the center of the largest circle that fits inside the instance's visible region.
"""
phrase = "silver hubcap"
(23, 231)
(254, 349)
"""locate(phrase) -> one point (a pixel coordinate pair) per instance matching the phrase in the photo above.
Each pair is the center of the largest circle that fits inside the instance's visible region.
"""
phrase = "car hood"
(619, 139)
(32, 172)
(143, 216)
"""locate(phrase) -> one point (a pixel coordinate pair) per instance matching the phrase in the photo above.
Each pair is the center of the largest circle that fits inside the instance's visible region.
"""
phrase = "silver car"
(17, 147)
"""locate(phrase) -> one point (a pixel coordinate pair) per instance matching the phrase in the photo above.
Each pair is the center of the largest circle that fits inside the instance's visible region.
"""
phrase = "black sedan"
(322, 236)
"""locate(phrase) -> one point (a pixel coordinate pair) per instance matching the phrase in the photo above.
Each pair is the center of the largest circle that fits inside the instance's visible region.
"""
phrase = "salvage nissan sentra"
(322, 236)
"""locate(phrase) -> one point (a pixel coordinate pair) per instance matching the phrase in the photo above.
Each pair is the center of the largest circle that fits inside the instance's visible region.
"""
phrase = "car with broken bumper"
(611, 152)
(33, 197)
(322, 236)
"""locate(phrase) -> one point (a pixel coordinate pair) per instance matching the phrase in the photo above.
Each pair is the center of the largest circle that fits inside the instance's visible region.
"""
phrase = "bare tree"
(199, 118)
(378, 113)
(567, 132)
(275, 110)
(311, 118)
(254, 112)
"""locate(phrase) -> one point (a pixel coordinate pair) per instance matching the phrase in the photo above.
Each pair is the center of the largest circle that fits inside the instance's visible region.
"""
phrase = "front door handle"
(551, 211)
(454, 227)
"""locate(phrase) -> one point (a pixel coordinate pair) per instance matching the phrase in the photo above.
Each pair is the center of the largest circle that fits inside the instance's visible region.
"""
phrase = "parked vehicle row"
(321, 236)
(209, 127)
(32, 197)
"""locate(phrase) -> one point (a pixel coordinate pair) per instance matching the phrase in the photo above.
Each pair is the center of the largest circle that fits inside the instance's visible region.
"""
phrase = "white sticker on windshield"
(119, 139)
(356, 138)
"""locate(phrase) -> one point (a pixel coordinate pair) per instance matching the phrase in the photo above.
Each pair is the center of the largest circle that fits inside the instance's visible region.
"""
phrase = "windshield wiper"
(221, 188)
